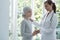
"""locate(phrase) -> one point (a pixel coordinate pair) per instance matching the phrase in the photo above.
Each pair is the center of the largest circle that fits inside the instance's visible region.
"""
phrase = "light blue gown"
(48, 26)
(26, 30)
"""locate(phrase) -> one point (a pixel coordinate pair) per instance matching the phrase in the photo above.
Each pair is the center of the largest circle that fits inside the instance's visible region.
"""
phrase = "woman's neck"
(49, 12)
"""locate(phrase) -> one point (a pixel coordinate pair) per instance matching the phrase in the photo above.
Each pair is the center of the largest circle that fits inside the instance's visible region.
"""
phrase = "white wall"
(4, 19)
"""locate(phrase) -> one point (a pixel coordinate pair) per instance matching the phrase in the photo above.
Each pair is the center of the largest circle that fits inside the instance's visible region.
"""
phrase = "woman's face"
(29, 13)
(48, 7)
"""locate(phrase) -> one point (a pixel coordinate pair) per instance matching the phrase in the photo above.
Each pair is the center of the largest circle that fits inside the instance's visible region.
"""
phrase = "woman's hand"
(38, 31)
(35, 32)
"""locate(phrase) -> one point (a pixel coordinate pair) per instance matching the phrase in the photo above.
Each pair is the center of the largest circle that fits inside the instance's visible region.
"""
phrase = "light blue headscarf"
(25, 10)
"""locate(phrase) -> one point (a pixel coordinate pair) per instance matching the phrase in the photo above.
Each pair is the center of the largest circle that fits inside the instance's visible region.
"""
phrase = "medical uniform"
(48, 26)
(26, 29)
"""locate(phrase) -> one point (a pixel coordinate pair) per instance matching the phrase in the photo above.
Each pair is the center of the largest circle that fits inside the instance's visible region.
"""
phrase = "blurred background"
(15, 16)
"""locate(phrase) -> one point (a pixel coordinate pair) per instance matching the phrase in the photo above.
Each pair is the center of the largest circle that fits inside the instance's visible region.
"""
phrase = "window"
(58, 11)
(21, 4)
(36, 8)
(16, 10)
(58, 14)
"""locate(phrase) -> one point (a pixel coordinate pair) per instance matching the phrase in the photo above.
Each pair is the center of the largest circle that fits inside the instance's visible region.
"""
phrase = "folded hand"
(35, 32)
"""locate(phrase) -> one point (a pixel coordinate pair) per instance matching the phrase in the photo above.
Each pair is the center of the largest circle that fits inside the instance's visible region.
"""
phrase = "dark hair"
(50, 2)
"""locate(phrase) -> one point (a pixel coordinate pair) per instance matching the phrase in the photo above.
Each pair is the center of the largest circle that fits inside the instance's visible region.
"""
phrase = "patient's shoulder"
(23, 22)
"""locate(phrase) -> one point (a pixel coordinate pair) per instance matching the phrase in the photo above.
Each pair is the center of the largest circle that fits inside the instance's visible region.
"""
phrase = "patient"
(26, 25)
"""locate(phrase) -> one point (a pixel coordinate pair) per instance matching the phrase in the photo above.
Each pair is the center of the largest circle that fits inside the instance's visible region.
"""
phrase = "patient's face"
(29, 14)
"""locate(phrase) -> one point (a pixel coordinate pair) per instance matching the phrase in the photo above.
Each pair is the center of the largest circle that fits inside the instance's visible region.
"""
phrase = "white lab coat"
(48, 26)
(26, 30)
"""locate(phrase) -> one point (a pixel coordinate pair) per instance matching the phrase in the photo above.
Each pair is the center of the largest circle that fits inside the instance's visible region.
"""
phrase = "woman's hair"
(50, 2)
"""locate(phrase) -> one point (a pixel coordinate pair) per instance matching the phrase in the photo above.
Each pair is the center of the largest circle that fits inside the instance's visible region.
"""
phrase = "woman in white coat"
(48, 23)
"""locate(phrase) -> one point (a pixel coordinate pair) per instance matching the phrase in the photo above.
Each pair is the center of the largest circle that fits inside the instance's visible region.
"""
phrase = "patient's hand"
(36, 32)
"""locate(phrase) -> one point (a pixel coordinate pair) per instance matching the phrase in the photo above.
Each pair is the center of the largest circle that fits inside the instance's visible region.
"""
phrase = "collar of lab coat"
(49, 16)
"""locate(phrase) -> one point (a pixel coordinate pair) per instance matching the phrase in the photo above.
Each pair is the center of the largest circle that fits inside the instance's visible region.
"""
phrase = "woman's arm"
(36, 24)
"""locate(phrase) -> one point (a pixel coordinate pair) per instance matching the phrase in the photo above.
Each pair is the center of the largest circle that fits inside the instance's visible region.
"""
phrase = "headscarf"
(26, 10)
